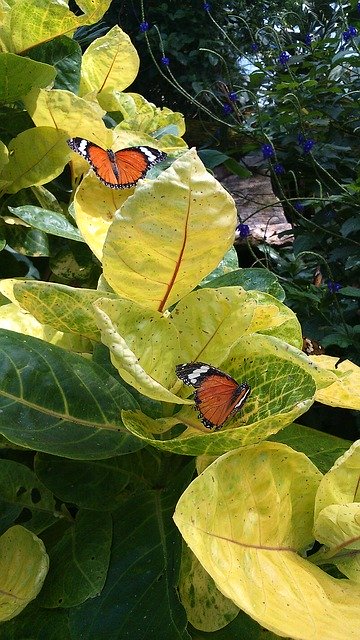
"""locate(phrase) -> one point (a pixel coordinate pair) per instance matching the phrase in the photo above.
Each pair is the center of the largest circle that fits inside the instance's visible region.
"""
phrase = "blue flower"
(144, 26)
(351, 32)
(308, 39)
(233, 96)
(284, 57)
(254, 47)
(227, 109)
(299, 207)
(243, 230)
(206, 6)
(358, 7)
(165, 61)
(279, 169)
(267, 151)
(333, 287)
(307, 145)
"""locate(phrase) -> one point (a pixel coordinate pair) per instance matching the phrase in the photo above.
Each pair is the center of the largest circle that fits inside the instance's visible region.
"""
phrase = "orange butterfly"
(218, 396)
(117, 169)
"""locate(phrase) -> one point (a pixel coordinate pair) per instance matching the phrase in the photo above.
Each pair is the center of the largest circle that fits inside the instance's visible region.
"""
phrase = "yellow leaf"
(170, 234)
(18, 75)
(206, 607)
(110, 64)
(247, 517)
(340, 485)
(36, 21)
(16, 319)
(36, 156)
(23, 568)
(143, 346)
(64, 110)
(345, 391)
(338, 527)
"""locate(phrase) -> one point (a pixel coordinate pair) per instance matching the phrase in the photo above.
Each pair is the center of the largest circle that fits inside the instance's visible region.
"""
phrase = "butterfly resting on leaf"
(217, 397)
(117, 169)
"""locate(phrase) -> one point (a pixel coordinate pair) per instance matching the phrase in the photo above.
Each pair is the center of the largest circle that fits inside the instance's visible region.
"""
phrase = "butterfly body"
(217, 397)
(117, 169)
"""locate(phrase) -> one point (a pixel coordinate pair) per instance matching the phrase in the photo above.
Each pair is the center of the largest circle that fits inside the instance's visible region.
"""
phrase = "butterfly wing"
(312, 347)
(133, 163)
(120, 169)
(217, 396)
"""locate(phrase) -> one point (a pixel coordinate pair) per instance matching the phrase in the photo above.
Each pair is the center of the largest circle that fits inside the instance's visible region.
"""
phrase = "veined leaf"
(247, 518)
(143, 240)
(345, 390)
(79, 561)
(36, 156)
(48, 221)
(142, 574)
(67, 309)
(59, 402)
(146, 350)
(109, 65)
(19, 74)
(36, 21)
(23, 567)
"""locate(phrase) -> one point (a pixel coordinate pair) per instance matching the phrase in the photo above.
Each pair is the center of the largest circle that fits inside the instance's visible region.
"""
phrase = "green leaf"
(322, 448)
(60, 403)
(20, 486)
(259, 279)
(142, 574)
(35, 623)
(48, 221)
(350, 292)
(30, 242)
(19, 74)
(23, 567)
(79, 561)
(65, 55)
(97, 484)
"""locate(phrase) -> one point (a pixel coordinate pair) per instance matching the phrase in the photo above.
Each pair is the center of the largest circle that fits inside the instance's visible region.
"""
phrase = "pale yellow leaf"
(247, 518)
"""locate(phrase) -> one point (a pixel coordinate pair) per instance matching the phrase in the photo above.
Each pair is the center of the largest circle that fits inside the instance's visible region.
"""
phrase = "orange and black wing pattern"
(217, 397)
(117, 169)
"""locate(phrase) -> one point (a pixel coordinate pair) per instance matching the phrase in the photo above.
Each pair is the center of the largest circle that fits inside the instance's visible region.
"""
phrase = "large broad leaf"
(322, 448)
(64, 110)
(144, 347)
(18, 75)
(337, 514)
(37, 156)
(16, 319)
(205, 605)
(230, 314)
(65, 55)
(109, 65)
(169, 235)
(345, 391)
(139, 599)
(67, 309)
(23, 567)
(247, 518)
(36, 623)
(51, 222)
(248, 279)
(79, 561)
(35, 21)
(20, 486)
(58, 402)
(280, 392)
